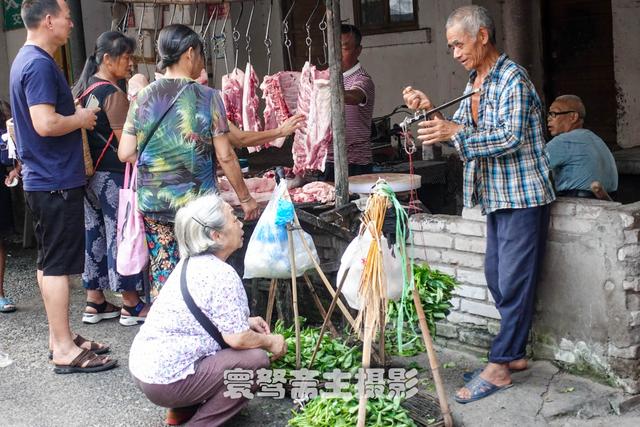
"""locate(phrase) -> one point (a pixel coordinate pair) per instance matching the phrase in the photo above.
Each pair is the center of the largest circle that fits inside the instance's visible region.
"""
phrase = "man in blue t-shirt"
(47, 126)
(577, 156)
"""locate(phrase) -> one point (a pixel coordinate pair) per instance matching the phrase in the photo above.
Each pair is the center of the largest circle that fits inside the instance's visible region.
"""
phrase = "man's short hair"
(472, 18)
(574, 103)
(352, 29)
(34, 11)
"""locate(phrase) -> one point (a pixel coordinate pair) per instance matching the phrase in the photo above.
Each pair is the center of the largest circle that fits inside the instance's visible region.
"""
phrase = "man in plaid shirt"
(498, 134)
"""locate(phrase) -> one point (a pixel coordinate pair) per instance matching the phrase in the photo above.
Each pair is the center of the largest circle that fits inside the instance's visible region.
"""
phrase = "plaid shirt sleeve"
(506, 136)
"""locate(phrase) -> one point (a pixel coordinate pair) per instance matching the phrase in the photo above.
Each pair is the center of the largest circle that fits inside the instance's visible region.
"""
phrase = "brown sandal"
(86, 362)
(94, 346)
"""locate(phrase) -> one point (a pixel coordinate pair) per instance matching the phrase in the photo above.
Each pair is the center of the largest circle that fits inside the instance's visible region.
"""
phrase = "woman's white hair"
(194, 223)
(472, 18)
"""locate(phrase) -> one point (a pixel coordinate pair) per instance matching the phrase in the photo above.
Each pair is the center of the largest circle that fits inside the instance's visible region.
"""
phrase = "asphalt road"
(32, 395)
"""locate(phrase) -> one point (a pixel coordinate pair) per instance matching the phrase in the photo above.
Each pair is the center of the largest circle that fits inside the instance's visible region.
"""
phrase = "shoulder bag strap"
(157, 124)
(92, 87)
(204, 321)
(86, 92)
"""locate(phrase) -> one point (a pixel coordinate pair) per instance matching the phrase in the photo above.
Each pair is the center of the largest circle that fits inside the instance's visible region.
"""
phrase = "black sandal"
(106, 310)
(133, 318)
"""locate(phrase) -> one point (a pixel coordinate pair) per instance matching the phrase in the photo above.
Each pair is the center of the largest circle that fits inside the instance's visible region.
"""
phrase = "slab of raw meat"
(303, 104)
(250, 103)
(314, 192)
(280, 92)
(254, 185)
(312, 141)
(320, 135)
(232, 88)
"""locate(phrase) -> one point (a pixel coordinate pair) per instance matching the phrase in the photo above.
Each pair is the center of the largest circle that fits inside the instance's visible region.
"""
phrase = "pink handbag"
(133, 253)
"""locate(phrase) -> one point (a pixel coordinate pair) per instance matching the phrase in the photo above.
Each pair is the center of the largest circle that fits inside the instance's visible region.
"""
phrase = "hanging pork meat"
(312, 140)
(232, 93)
(280, 93)
(251, 103)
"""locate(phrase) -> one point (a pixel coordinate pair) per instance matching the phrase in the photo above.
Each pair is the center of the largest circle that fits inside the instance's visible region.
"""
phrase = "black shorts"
(58, 223)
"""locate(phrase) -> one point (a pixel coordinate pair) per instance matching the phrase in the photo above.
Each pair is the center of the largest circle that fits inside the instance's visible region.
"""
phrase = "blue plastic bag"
(268, 254)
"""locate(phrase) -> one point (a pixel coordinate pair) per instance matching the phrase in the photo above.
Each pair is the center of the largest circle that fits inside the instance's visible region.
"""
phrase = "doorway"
(578, 50)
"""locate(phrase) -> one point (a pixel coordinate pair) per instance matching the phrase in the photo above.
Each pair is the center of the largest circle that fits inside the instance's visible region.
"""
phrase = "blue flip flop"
(480, 388)
(7, 305)
(469, 375)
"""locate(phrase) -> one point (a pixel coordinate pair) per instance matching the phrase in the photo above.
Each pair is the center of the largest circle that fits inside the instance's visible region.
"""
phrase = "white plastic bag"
(267, 253)
(354, 259)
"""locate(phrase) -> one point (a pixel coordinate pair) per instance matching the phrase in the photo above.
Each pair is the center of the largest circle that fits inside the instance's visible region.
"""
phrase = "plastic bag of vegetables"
(267, 253)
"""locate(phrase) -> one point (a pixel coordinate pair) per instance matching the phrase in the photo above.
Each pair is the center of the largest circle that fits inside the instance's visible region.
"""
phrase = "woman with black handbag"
(199, 326)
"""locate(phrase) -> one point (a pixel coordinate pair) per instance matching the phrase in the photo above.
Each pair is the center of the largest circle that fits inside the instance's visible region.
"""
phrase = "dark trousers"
(207, 385)
(516, 240)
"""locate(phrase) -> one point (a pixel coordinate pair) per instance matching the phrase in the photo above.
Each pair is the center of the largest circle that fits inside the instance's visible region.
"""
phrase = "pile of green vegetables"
(332, 354)
(339, 412)
(435, 289)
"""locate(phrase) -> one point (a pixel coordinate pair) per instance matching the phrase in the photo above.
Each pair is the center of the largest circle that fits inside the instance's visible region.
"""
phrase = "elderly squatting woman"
(105, 70)
(173, 359)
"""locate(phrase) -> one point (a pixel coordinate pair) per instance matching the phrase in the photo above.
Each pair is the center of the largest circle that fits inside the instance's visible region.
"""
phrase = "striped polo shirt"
(358, 118)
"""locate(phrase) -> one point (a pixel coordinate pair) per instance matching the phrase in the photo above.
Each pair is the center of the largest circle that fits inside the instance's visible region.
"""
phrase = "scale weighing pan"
(399, 182)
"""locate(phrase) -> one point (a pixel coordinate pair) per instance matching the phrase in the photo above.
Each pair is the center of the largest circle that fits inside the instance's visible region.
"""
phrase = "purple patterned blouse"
(171, 340)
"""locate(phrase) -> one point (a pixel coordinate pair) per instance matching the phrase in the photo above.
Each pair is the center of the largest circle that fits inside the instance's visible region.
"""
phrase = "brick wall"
(588, 302)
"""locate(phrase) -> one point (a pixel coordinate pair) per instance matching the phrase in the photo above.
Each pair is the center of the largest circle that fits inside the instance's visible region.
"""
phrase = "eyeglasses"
(554, 114)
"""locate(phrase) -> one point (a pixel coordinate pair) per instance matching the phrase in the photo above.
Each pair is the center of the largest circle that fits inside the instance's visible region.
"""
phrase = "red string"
(413, 196)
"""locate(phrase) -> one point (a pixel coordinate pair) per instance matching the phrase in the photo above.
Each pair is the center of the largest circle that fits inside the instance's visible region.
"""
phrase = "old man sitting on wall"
(578, 156)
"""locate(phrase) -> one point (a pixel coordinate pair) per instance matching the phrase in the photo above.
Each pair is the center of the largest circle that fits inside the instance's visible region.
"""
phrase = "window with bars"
(384, 16)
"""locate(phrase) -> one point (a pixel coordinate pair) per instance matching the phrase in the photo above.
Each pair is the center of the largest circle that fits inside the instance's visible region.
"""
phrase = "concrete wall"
(626, 54)
(588, 302)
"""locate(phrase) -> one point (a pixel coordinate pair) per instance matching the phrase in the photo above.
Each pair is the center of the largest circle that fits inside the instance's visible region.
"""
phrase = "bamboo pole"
(381, 349)
(343, 308)
(272, 297)
(369, 332)
(332, 306)
(318, 303)
(294, 291)
(433, 360)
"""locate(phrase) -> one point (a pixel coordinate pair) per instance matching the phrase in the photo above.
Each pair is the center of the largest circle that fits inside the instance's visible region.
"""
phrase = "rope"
(403, 232)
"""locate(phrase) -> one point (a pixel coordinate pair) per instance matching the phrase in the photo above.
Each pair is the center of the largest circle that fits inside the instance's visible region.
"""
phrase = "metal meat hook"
(325, 46)
(160, 11)
(285, 32)
(247, 37)
(173, 14)
(122, 25)
(307, 26)
(222, 43)
(267, 39)
(204, 29)
(140, 37)
(236, 36)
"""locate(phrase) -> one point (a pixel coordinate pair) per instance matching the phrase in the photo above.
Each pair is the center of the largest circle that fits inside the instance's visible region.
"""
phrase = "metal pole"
(337, 104)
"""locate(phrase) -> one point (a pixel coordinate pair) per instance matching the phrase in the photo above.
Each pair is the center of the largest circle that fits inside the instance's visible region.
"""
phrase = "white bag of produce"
(354, 259)
(267, 253)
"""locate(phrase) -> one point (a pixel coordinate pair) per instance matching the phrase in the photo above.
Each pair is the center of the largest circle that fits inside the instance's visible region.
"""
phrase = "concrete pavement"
(32, 395)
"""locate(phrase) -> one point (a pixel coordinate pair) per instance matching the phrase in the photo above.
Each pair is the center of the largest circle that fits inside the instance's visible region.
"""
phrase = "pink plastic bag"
(133, 253)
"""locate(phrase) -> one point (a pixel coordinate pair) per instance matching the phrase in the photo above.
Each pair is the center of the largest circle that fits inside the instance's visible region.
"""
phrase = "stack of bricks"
(456, 245)
(588, 302)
